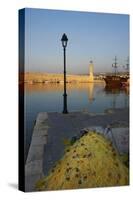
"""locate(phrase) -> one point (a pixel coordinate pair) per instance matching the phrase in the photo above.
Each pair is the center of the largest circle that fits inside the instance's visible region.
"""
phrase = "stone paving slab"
(39, 139)
(121, 137)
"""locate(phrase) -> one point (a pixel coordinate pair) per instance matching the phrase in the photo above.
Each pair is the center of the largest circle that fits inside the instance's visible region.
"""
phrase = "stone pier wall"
(55, 78)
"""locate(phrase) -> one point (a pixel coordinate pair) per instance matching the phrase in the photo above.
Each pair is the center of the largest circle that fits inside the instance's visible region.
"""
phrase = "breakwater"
(32, 78)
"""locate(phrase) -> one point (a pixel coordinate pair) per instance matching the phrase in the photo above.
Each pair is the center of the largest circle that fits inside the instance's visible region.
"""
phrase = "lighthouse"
(91, 68)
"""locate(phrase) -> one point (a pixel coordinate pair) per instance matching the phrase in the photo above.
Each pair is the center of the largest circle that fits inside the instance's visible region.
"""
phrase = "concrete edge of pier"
(34, 162)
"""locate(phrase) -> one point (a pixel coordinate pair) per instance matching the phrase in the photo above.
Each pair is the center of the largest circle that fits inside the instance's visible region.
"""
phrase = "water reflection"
(94, 97)
(59, 87)
(91, 92)
(115, 93)
(110, 90)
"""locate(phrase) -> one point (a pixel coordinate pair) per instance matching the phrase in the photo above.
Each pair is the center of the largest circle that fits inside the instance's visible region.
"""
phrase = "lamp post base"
(65, 111)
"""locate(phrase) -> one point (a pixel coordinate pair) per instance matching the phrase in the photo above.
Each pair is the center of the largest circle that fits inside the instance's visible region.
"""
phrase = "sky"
(91, 36)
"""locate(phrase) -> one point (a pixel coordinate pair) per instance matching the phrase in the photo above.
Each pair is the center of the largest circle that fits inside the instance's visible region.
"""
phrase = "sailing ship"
(116, 80)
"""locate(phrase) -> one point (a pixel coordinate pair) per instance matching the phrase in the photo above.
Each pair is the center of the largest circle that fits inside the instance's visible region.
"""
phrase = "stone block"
(42, 117)
(33, 167)
(40, 132)
(35, 153)
(39, 140)
(121, 137)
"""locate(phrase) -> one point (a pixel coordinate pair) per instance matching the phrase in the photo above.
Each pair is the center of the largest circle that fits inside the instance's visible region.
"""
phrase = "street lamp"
(64, 40)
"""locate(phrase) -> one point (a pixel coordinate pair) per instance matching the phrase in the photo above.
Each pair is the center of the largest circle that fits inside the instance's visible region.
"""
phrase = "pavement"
(51, 129)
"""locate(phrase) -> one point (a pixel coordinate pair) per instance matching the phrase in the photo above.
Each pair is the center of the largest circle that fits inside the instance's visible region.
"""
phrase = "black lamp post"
(64, 40)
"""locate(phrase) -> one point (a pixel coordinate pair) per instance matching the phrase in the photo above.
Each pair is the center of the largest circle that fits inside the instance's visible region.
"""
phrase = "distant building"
(91, 70)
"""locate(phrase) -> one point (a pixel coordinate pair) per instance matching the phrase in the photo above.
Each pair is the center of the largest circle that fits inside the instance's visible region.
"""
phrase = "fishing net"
(90, 162)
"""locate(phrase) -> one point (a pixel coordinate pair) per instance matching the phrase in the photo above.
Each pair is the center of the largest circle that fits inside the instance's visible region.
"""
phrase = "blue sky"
(95, 36)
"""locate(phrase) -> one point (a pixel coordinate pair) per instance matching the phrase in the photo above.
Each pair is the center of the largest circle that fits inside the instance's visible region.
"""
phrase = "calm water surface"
(81, 97)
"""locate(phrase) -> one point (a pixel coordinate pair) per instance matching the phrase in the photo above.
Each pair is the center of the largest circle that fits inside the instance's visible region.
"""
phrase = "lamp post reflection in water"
(64, 40)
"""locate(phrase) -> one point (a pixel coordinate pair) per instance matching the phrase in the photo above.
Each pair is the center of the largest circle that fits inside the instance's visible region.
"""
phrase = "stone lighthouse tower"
(91, 69)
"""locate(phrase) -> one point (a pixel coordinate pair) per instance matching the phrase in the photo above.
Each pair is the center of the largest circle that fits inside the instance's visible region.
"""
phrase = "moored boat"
(116, 80)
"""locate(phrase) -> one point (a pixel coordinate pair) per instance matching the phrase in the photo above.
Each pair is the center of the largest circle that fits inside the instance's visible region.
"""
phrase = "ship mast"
(127, 64)
(126, 67)
(115, 65)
